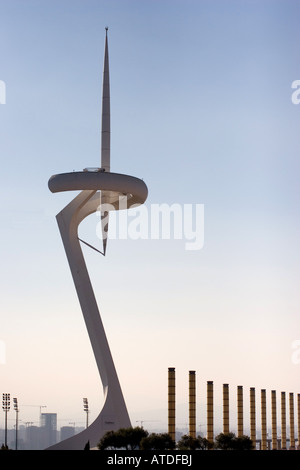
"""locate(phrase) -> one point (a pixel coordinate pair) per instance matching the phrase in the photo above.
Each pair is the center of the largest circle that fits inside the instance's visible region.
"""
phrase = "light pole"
(6, 408)
(86, 409)
(16, 408)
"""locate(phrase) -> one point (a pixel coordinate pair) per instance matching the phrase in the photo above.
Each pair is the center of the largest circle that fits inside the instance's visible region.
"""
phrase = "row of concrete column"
(240, 412)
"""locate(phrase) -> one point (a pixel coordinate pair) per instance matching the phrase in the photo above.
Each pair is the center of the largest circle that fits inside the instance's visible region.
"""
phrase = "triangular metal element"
(91, 246)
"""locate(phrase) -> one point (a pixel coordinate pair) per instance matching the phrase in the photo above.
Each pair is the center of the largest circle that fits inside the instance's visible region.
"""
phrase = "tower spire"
(105, 130)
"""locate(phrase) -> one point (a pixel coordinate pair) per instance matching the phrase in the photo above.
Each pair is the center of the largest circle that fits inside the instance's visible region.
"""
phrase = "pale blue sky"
(201, 110)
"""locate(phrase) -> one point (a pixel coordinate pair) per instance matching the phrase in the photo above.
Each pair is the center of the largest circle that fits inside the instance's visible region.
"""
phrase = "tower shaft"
(105, 129)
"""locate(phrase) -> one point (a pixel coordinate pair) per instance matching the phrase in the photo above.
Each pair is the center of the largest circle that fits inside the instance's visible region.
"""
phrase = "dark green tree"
(190, 443)
(158, 442)
(244, 443)
(187, 442)
(229, 441)
(124, 438)
(225, 441)
(205, 443)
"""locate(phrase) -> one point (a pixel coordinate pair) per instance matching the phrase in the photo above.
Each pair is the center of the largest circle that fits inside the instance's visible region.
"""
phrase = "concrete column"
(240, 418)
(225, 408)
(171, 402)
(192, 403)
(210, 411)
(263, 420)
(252, 417)
(283, 421)
(274, 420)
(292, 423)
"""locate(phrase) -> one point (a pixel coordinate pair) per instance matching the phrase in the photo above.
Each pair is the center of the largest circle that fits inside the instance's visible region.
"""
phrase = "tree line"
(138, 438)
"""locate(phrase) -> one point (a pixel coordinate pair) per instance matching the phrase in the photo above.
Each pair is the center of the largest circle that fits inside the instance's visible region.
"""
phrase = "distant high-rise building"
(48, 429)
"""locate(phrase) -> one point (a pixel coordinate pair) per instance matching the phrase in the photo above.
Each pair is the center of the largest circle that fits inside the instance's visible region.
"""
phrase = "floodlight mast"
(117, 192)
(6, 408)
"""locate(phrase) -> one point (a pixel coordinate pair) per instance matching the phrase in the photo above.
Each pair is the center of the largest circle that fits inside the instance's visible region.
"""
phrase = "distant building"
(66, 432)
(32, 438)
(48, 429)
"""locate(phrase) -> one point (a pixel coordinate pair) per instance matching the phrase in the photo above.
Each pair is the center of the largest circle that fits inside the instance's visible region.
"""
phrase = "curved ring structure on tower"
(115, 184)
